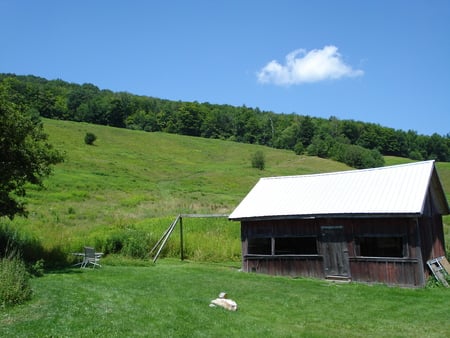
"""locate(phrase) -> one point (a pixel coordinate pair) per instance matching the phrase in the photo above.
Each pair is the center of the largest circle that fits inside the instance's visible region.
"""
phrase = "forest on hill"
(355, 143)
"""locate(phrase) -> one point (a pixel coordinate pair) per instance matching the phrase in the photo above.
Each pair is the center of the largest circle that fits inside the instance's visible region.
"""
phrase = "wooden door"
(335, 252)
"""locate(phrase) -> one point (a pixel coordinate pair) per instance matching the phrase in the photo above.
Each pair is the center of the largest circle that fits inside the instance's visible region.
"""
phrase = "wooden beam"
(181, 239)
(203, 215)
(162, 241)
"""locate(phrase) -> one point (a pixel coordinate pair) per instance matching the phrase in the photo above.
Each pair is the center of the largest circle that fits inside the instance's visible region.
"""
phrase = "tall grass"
(14, 281)
(121, 193)
(132, 181)
(204, 239)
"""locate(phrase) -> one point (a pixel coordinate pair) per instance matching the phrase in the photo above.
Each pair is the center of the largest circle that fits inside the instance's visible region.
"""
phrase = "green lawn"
(171, 299)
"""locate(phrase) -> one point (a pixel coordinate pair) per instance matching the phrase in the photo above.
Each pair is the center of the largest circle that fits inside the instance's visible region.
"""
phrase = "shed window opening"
(381, 246)
(282, 246)
(260, 246)
(296, 246)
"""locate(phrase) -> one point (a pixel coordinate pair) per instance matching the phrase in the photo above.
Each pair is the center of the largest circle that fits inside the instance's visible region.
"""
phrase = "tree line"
(358, 144)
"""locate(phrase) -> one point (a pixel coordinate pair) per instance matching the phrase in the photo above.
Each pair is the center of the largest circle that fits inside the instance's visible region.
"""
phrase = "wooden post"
(162, 241)
(181, 239)
(165, 238)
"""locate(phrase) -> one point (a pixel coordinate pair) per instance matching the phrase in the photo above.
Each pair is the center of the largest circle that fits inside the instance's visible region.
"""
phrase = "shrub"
(258, 160)
(415, 155)
(357, 156)
(130, 243)
(137, 245)
(37, 269)
(14, 282)
(90, 138)
(320, 147)
(299, 148)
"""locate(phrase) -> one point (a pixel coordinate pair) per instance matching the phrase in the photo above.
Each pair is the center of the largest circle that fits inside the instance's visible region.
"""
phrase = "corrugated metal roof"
(400, 189)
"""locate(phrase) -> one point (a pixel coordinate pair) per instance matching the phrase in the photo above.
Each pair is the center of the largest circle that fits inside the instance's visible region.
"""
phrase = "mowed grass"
(171, 299)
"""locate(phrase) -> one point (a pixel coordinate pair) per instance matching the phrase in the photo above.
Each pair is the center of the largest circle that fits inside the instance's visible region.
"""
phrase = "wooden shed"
(375, 225)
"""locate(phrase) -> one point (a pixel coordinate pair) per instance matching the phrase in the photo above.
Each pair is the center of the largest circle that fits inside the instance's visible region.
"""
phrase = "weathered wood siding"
(432, 239)
(423, 239)
(402, 272)
(285, 266)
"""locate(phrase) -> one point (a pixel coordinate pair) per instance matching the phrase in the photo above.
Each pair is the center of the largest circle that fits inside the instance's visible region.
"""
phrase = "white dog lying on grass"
(222, 301)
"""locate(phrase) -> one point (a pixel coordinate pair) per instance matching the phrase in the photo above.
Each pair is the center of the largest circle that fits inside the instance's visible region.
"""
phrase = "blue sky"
(384, 61)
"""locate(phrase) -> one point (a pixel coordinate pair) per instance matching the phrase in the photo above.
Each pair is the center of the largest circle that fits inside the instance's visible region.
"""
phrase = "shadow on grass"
(65, 270)
(30, 250)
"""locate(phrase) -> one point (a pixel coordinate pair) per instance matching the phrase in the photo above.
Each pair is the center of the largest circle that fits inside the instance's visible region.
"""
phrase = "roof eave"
(319, 216)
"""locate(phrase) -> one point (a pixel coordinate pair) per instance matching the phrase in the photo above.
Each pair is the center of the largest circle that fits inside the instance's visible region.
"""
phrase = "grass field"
(141, 181)
(133, 184)
(171, 299)
(127, 189)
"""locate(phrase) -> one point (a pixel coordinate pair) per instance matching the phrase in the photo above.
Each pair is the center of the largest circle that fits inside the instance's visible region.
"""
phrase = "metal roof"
(400, 190)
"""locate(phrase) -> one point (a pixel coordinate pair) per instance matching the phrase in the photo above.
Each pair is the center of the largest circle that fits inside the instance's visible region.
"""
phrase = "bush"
(357, 156)
(90, 138)
(299, 148)
(129, 243)
(258, 160)
(320, 147)
(14, 282)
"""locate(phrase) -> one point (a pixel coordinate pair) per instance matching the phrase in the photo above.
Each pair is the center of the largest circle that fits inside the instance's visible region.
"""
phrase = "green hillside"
(160, 174)
(140, 181)
(356, 143)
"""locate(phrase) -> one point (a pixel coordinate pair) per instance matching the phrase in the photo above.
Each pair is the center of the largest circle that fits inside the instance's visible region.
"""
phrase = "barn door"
(335, 252)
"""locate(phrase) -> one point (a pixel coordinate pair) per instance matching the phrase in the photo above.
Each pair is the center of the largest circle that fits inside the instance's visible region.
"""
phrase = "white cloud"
(306, 67)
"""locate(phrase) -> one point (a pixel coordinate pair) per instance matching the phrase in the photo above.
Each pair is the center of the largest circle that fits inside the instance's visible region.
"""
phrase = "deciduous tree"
(26, 155)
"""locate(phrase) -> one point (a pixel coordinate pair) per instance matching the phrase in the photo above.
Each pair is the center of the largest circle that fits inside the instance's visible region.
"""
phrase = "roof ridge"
(350, 170)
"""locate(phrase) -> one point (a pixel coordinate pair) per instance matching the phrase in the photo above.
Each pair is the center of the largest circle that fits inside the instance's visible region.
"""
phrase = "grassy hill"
(132, 184)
